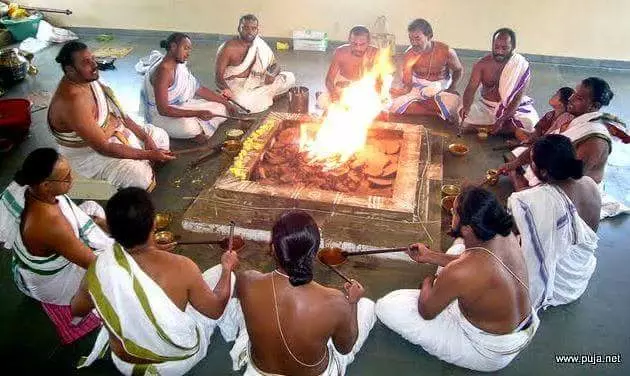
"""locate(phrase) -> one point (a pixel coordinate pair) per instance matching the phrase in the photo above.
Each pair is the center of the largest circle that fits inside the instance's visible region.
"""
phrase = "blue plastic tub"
(23, 28)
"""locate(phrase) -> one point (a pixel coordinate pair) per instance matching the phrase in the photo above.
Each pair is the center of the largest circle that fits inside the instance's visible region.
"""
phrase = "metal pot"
(298, 100)
(13, 66)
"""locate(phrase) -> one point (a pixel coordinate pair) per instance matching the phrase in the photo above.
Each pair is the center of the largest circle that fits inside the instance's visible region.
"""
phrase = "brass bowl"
(234, 134)
(164, 237)
(482, 136)
(458, 149)
(232, 147)
(447, 203)
(451, 190)
(162, 220)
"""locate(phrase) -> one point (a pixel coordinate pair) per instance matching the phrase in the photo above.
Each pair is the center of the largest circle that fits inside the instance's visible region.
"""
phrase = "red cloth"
(61, 316)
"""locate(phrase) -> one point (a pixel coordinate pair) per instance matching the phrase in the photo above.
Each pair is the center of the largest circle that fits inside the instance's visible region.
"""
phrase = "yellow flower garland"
(255, 142)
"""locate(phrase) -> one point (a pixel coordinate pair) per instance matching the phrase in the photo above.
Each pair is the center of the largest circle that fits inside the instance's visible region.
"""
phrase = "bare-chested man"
(504, 77)
(476, 313)
(431, 72)
(53, 240)
(247, 71)
(277, 305)
(557, 221)
(587, 131)
(158, 308)
(174, 100)
(349, 64)
(94, 133)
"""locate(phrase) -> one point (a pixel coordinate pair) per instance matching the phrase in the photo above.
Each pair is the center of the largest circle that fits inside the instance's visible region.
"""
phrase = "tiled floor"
(596, 324)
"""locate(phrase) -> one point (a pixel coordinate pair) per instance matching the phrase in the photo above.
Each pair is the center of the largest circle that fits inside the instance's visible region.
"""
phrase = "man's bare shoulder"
(232, 44)
(250, 276)
(464, 267)
(49, 218)
(164, 68)
(484, 61)
(589, 186)
(332, 296)
(179, 264)
(342, 50)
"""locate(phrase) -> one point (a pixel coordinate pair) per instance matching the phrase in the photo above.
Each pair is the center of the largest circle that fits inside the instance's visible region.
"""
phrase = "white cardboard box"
(309, 34)
(310, 45)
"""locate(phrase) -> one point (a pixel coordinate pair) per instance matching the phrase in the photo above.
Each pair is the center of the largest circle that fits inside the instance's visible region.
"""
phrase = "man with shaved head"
(349, 64)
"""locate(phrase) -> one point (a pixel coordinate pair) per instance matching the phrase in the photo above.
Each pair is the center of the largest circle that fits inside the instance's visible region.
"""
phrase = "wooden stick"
(48, 10)
(508, 147)
(374, 251)
(235, 117)
(338, 273)
(231, 238)
(190, 242)
(233, 102)
(192, 150)
(204, 157)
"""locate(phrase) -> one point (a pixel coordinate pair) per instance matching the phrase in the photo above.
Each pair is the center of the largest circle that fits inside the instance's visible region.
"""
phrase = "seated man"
(53, 240)
(557, 221)
(431, 71)
(277, 305)
(476, 313)
(587, 131)
(94, 133)
(159, 310)
(504, 77)
(349, 64)
(247, 71)
(168, 95)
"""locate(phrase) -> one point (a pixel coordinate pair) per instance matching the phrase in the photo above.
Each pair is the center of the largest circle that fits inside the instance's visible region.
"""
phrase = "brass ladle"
(335, 256)
(165, 237)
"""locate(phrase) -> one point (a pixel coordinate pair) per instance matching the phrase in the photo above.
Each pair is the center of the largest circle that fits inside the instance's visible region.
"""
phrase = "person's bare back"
(584, 194)
(309, 316)
(490, 285)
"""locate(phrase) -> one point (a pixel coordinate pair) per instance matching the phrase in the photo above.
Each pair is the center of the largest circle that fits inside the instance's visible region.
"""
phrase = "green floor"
(597, 324)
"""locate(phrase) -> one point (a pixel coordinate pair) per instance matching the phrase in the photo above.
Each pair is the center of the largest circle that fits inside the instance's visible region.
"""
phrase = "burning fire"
(344, 129)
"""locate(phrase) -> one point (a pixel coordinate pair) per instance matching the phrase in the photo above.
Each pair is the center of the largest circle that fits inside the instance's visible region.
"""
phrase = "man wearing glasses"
(53, 240)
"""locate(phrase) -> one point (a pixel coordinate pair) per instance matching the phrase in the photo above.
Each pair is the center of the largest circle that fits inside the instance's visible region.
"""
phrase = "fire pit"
(366, 182)
(387, 192)
(371, 171)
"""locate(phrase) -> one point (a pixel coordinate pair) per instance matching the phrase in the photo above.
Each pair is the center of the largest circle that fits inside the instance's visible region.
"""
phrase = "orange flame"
(344, 130)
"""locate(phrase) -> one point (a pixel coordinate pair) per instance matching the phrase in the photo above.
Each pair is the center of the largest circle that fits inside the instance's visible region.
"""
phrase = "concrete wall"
(571, 28)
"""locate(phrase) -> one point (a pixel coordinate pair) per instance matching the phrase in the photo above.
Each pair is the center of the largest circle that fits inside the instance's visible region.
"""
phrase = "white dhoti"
(337, 362)
(140, 314)
(580, 129)
(450, 336)
(181, 95)
(514, 78)
(558, 246)
(52, 279)
(121, 173)
(425, 90)
(252, 92)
